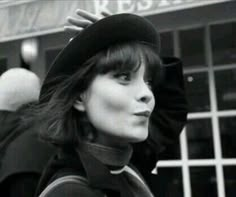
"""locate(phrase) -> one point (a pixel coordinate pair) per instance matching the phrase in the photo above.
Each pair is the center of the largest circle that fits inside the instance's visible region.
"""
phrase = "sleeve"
(168, 118)
(71, 189)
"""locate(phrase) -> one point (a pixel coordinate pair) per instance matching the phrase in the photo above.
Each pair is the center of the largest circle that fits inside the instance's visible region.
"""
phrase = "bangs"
(127, 57)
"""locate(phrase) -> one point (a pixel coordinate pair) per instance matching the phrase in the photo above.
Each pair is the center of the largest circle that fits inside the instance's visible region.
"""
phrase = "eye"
(123, 77)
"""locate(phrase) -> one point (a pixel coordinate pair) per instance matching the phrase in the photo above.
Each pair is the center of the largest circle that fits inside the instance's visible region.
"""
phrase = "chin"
(139, 137)
(137, 140)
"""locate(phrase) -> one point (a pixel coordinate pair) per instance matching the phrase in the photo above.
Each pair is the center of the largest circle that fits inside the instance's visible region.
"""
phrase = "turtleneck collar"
(101, 164)
(110, 156)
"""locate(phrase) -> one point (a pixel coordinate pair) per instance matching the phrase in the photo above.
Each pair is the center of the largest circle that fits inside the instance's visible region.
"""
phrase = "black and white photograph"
(117, 98)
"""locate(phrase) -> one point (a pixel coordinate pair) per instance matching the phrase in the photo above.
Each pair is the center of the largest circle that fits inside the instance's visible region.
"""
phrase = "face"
(119, 106)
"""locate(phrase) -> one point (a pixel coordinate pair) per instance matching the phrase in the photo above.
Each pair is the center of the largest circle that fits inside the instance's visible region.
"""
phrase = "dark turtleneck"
(110, 156)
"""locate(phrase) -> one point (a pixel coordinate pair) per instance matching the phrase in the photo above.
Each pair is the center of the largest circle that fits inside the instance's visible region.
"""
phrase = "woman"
(170, 118)
(97, 99)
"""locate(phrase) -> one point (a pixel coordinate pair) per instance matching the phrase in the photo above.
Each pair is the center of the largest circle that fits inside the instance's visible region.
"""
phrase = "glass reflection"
(226, 89)
(167, 183)
(203, 181)
(223, 41)
(197, 91)
(192, 47)
(230, 181)
(199, 136)
(171, 152)
(228, 136)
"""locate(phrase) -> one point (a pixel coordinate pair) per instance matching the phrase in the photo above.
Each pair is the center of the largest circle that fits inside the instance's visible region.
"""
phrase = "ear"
(79, 105)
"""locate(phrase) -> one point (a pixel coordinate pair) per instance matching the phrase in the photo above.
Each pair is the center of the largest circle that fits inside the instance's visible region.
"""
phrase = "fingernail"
(78, 10)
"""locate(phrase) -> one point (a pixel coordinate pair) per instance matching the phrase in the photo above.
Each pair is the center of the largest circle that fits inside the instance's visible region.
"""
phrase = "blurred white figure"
(18, 86)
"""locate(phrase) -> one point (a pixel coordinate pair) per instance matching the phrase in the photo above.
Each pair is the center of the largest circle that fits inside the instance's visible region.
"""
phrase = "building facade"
(201, 32)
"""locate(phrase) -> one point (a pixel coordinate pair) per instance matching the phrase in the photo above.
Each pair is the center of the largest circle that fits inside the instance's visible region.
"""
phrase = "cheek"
(106, 105)
(116, 102)
(109, 98)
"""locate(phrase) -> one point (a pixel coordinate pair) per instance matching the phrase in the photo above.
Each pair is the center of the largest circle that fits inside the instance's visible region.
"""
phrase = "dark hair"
(64, 125)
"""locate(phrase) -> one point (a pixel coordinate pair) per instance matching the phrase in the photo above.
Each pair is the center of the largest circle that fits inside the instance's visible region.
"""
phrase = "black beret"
(98, 36)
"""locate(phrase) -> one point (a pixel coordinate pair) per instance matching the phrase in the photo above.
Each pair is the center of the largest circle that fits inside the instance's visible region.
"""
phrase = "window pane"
(171, 152)
(197, 92)
(192, 47)
(199, 136)
(3, 65)
(167, 48)
(230, 181)
(226, 89)
(167, 183)
(203, 181)
(223, 41)
(228, 136)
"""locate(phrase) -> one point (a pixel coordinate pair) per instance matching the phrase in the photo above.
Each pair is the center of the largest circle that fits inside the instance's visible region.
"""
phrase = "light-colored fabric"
(18, 86)
(139, 187)
(127, 169)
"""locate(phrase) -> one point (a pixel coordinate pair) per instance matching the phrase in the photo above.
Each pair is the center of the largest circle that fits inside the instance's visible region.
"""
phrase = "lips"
(143, 113)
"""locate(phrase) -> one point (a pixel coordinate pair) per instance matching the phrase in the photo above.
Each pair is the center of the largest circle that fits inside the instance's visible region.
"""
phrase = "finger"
(78, 22)
(73, 29)
(87, 15)
(106, 13)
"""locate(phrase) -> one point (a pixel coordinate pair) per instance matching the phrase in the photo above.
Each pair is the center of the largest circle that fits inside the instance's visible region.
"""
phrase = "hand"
(78, 24)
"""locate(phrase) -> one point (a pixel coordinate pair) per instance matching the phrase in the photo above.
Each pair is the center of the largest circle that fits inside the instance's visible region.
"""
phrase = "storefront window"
(228, 136)
(226, 89)
(196, 150)
(199, 136)
(197, 92)
(203, 181)
(223, 41)
(192, 47)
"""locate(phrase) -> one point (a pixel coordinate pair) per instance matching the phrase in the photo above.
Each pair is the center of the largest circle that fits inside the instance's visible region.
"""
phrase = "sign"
(31, 18)
(148, 6)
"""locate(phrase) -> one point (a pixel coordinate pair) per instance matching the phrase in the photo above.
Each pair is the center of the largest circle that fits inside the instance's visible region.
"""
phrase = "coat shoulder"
(71, 186)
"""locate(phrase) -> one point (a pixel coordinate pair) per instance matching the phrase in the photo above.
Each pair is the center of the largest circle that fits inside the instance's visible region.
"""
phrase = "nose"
(145, 94)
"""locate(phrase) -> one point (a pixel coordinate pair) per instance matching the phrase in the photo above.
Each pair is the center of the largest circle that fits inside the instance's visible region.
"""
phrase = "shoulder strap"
(65, 179)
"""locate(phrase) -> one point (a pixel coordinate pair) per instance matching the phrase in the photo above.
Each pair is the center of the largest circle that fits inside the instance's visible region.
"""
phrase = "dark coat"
(99, 181)
(22, 157)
